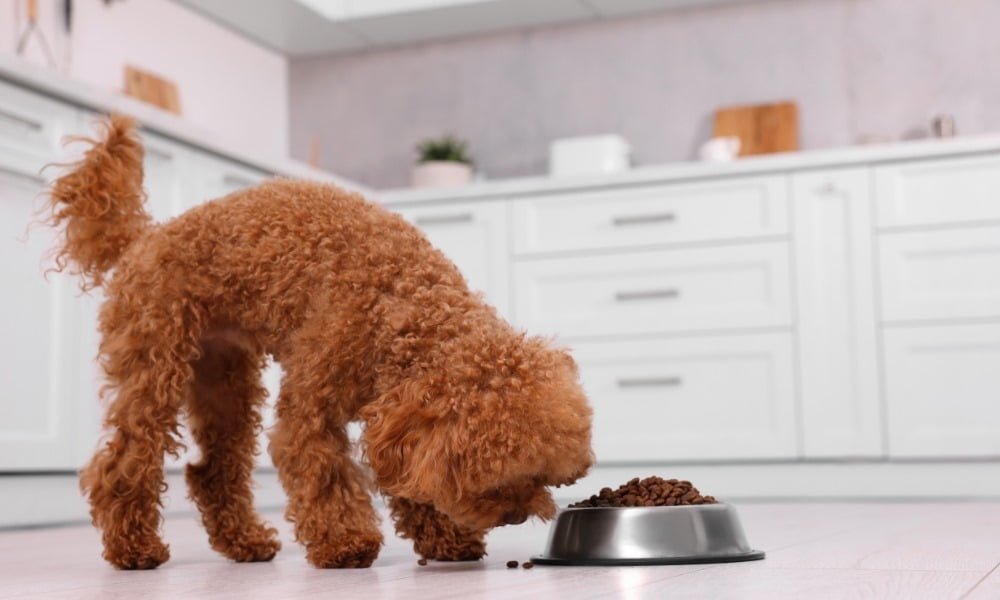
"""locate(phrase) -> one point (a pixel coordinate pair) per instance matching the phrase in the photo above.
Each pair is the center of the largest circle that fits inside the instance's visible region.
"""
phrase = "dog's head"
(482, 438)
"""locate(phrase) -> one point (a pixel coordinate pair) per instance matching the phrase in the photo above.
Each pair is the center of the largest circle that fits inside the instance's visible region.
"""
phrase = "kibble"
(422, 562)
(528, 565)
(512, 564)
(651, 491)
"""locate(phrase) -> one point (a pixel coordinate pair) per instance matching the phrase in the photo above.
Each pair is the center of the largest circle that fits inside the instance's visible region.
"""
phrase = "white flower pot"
(441, 173)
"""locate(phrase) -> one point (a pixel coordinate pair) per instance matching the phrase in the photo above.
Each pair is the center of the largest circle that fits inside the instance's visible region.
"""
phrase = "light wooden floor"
(836, 550)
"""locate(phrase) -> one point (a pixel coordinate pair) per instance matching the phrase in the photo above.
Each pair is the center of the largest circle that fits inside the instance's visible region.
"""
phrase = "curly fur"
(466, 420)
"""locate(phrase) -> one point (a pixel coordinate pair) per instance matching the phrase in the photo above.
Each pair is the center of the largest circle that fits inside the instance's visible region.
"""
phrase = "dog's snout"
(515, 517)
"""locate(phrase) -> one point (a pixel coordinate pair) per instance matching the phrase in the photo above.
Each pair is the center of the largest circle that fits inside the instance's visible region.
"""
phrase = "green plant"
(447, 148)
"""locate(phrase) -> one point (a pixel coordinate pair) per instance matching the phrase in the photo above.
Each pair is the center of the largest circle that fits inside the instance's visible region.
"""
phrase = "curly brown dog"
(466, 420)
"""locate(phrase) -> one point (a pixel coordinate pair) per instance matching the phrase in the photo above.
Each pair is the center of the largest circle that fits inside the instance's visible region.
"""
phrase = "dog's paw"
(472, 549)
(357, 552)
(261, 546)
(137, 558)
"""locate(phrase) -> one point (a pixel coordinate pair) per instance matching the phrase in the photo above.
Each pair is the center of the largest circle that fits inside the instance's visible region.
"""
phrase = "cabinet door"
(836, 313)
(475, 237)
(46, 385)
(942, 388)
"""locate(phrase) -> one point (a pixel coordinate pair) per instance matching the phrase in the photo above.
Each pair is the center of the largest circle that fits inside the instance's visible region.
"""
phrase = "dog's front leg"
(434, 535)
(328, 498)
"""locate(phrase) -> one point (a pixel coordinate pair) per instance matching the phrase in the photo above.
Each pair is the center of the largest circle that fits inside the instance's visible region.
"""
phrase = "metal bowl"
(656, 535)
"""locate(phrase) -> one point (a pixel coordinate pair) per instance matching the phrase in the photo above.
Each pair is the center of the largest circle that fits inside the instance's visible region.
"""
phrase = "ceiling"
(297, 28)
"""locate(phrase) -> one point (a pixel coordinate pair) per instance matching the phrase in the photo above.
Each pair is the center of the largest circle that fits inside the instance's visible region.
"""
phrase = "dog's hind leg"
(224, 417)
(149, 372)
(434, 535)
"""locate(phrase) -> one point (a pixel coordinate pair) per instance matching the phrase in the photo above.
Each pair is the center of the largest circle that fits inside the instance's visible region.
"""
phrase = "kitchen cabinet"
(836, 325)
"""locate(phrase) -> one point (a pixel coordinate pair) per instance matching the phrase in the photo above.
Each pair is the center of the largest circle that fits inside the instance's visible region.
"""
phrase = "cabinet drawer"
(706, 398)
(938, 191)
(941, 274)
(655, 292)
(942, 388)
(736, 208)
(34, 124)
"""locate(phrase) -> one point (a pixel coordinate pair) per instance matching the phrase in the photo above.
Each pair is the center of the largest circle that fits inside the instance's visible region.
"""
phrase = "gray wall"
(856, 67)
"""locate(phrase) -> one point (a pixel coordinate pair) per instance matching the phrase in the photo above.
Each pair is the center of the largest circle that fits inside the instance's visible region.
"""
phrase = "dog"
(466, 421)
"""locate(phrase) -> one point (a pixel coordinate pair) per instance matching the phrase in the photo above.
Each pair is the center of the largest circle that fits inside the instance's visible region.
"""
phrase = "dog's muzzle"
(515, 517)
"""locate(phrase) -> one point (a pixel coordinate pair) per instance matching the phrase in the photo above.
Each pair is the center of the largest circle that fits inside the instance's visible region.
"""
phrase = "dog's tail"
(99, 203)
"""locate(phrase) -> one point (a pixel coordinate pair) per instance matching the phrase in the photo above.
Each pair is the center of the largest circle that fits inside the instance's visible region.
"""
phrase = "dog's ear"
(401, 445)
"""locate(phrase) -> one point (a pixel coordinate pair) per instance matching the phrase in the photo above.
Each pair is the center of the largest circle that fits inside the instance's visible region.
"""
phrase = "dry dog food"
(651, 491)
(512, 564)
(422, 562)
(528, 565)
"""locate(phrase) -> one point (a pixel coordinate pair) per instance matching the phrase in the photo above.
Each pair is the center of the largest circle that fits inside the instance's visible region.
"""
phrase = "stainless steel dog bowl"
(656, 535)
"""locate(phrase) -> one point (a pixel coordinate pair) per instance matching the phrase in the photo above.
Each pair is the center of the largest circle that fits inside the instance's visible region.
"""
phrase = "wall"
(229, 86)
(858, 68)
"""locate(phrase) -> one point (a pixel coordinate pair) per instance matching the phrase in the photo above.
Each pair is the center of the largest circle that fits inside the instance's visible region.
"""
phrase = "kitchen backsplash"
(859, 69)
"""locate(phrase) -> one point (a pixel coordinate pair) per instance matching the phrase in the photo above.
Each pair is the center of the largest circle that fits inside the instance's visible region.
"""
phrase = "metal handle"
(650, 382)
(29, 123)
(647, 295)
(236, 180)
(644, 219)
(445, 219)
(29, 177)
(160, 154)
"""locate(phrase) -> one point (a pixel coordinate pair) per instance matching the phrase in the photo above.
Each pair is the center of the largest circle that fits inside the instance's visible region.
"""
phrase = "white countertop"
(784, 162)
(62, 87)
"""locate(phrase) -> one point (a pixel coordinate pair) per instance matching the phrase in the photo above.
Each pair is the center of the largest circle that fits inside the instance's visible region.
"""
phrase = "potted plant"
(442, 162)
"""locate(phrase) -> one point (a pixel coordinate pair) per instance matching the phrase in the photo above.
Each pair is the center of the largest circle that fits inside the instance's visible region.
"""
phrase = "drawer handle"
(445, 219)
(159, 154)
(647, 295)
(26, 122)
(236, 181)
(644, 219)
(15, 174)
(650, 382)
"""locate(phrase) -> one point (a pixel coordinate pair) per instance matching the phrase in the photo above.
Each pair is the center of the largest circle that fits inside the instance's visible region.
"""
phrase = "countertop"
(694, 171)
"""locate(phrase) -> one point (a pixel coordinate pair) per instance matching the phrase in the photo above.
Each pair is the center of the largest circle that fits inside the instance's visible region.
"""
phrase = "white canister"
(720, 149)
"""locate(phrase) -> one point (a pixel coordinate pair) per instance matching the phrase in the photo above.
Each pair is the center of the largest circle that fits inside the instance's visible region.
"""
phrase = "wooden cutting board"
(153, 89)
(762, 128)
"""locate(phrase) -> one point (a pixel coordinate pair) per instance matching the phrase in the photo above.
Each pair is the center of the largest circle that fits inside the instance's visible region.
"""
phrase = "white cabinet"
(665, 291)
(46, 354)
(691, 399)
(837, 330)
(178, 177)
(943, 390)
(941, 274)
(216, 178)
(166, 166)
(475, 237)
(32, 125)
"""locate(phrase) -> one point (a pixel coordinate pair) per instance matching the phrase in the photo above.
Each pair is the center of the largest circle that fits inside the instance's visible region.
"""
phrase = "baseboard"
(40, 499)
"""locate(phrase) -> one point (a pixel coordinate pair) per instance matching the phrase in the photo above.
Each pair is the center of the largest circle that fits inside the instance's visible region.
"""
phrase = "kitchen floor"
(814, 550)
